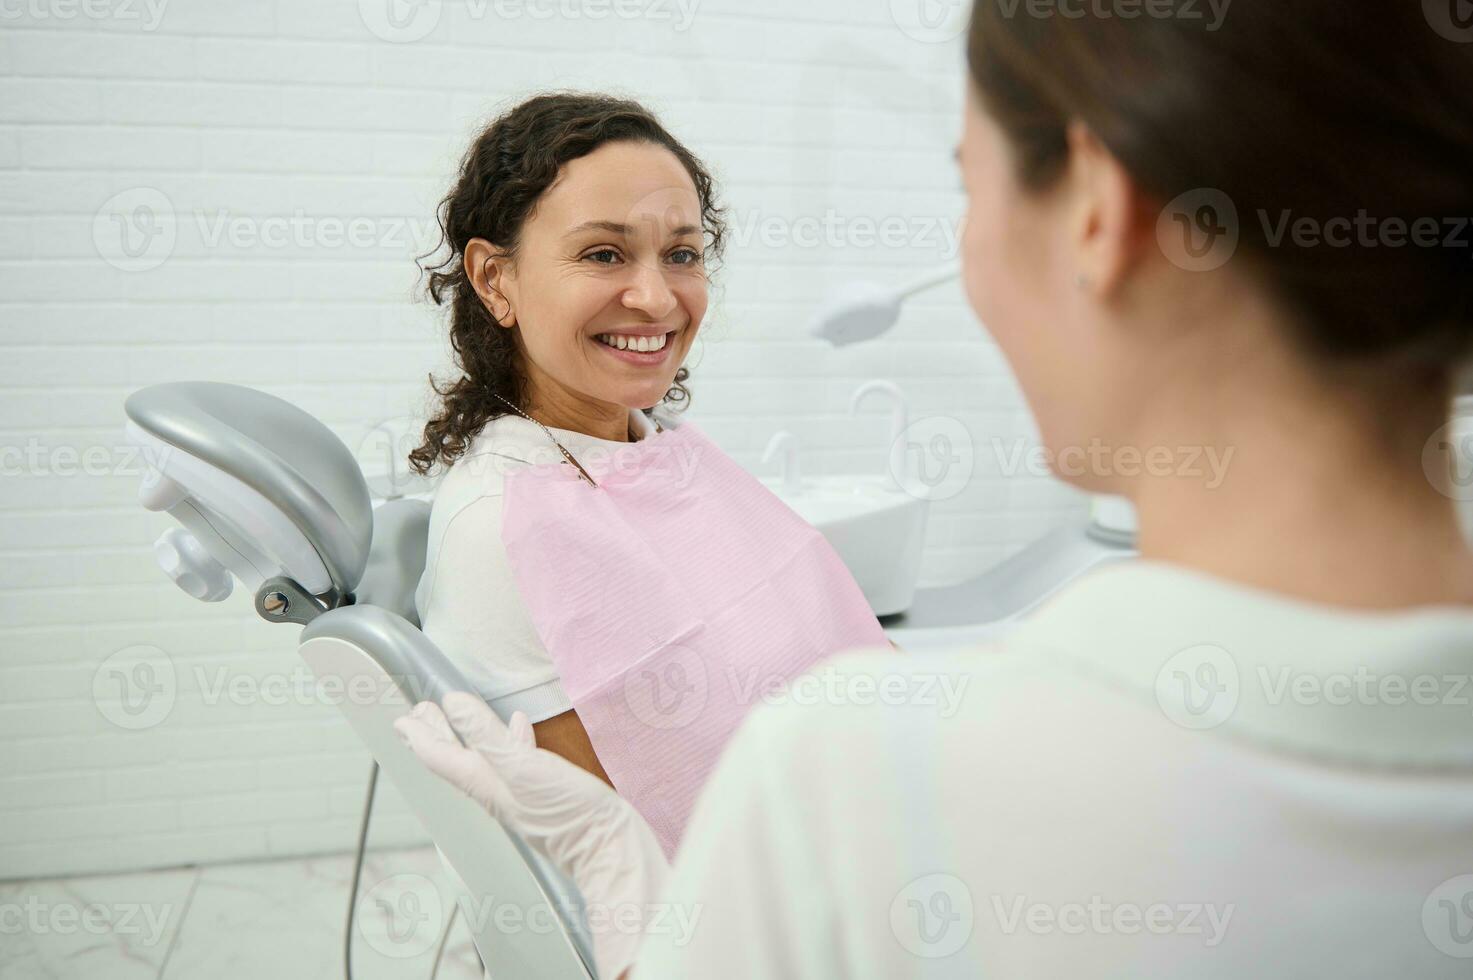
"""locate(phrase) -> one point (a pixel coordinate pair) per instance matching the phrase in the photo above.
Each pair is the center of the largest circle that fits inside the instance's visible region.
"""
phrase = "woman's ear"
(1109, 226)
(489, 272)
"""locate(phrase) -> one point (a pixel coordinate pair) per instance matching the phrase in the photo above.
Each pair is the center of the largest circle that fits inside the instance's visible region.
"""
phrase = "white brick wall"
(252, 109)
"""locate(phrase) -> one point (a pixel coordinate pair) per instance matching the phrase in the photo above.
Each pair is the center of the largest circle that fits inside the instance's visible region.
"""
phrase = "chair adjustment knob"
(192, 568)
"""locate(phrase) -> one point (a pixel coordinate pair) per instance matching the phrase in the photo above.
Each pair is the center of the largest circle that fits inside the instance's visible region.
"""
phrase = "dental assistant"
(1172, 768)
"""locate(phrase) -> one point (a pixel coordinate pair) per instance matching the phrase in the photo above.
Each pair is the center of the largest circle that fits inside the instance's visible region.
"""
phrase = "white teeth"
(642, 344)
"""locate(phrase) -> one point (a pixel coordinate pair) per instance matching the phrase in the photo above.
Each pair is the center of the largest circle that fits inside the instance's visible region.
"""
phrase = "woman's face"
(609, 286)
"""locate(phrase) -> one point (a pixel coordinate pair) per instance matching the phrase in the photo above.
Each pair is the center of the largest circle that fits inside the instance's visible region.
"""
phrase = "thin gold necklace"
(560, 448)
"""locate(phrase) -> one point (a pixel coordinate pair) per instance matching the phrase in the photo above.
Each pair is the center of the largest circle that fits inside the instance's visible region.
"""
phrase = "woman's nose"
(648, 291)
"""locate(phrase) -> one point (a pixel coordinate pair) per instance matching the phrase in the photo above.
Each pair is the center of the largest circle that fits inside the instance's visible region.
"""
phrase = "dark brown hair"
(502, 175)
(1318, 107)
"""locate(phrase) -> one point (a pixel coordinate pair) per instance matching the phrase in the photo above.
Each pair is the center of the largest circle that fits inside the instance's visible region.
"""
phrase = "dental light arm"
(862, 311)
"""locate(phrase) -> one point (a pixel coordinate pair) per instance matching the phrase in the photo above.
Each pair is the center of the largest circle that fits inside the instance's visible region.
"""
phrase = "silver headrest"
(276, 449)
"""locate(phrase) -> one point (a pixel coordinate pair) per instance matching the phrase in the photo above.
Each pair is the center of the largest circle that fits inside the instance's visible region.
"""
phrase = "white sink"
(878, 531)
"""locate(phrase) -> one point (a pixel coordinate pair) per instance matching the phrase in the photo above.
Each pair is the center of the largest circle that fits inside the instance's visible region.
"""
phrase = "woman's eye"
(692, 257)
(604, 256)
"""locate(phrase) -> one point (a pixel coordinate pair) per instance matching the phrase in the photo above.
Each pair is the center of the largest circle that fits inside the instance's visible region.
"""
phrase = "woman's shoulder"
(503, 446)
(508, 444)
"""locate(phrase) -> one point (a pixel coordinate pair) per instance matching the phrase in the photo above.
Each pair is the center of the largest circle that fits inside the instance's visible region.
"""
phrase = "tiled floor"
(277, 921)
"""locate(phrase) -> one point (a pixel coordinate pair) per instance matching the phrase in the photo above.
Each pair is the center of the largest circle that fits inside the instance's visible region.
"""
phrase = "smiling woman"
(650, 210)
(609, 603)
(592, 297)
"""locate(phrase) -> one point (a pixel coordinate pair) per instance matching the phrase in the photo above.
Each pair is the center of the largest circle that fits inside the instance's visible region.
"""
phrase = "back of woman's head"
(1341, 133)
(503, 174)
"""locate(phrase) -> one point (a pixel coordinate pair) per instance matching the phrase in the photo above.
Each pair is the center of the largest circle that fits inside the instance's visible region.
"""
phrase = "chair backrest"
(396, 558)
(268, 494)
(367, 649)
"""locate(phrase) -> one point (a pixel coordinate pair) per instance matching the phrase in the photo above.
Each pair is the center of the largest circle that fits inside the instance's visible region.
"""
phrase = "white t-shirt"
(467, 598)
(1159, 775)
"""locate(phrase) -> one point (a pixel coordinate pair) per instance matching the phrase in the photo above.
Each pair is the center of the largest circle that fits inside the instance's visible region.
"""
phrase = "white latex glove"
(565, 812)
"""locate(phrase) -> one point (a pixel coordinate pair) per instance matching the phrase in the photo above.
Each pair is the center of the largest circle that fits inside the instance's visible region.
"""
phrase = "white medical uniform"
(1159, 775)
(467, 598)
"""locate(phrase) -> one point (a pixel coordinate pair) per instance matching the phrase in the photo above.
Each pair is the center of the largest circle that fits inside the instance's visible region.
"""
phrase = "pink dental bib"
(672, 597)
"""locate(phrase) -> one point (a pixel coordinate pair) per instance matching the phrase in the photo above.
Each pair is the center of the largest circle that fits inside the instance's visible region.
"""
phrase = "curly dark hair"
(500, 179)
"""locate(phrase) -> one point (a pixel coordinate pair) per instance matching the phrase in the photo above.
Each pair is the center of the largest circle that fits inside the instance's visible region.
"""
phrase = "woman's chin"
(641, 396)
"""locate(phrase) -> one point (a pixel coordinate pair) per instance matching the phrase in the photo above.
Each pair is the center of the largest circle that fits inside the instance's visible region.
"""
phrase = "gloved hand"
(560, 810)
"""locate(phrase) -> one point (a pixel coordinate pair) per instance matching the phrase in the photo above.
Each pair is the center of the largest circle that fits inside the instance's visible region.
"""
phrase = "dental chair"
(265, 494)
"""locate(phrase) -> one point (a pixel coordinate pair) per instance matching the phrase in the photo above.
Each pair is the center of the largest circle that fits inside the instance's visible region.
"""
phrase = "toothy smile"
(634, 343)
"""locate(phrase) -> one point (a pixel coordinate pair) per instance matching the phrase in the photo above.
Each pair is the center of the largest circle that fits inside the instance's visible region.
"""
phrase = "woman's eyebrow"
(612, 226)
(625, 230)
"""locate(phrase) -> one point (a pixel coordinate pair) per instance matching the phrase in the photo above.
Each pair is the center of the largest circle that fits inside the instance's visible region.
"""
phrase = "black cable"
(444, 938)
(358, 871)
(353, 891)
